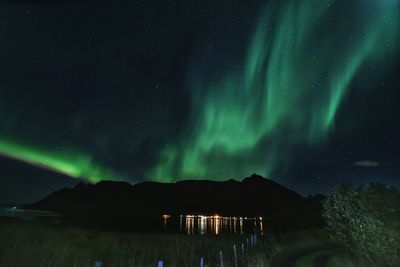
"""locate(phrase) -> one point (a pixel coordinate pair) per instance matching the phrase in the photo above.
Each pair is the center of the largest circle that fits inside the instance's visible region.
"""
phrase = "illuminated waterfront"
(215, 224)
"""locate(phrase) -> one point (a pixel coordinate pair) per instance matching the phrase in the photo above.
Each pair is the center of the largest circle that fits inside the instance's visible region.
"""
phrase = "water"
(196, 224)
(28, 215)
(203, 224)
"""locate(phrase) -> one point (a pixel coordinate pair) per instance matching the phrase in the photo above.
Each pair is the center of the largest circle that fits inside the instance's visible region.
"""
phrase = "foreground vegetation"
(38, 244)
(24, 244)
(367, 221)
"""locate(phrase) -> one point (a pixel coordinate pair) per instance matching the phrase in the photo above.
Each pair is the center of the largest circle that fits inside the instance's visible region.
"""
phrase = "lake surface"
(28, 215)
(203, 224)
(185, 224)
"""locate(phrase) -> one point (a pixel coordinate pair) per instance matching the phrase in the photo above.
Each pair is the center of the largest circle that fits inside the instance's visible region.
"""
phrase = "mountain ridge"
(121, 204)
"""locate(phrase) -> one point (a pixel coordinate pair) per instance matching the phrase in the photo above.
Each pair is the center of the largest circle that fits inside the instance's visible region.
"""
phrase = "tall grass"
(295, 243)
(36, 244)
(26, 244)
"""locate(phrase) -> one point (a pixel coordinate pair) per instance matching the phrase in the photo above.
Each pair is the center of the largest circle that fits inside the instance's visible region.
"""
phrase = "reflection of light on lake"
(202, 225)
(190, 224)
(216, 224)
(261, 226)
(165, 219)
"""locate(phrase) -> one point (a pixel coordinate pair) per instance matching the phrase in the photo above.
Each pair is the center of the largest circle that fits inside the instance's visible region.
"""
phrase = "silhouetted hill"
(120, 203)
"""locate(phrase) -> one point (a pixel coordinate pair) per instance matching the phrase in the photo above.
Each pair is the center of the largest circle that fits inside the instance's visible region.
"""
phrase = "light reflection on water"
(202, 224)
(26, 214)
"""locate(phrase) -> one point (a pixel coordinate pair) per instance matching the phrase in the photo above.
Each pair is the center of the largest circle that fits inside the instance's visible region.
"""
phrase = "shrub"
(367, 220)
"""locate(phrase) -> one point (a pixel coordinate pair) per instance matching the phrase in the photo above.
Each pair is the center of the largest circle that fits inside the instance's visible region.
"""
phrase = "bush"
(367, 220)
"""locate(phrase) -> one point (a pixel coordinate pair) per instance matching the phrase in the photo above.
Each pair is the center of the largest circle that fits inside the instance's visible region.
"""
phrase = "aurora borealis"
(293, 90)
(288, 90)
(71, 164)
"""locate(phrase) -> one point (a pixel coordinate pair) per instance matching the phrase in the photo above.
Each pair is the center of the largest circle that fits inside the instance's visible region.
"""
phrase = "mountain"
(122, 204)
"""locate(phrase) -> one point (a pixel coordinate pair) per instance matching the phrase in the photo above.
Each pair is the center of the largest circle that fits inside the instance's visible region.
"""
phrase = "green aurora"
(287, 91)
(73, 164)
(299, 65)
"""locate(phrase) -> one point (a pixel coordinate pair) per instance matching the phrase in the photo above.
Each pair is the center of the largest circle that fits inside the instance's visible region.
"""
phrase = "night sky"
(302, 92)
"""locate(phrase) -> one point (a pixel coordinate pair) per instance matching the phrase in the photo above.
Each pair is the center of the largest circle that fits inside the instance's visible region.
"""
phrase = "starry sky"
(302, 92)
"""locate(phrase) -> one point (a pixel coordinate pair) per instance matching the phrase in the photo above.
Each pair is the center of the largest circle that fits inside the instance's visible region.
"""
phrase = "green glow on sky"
(75, 165)
(286, 93)
(300, 63)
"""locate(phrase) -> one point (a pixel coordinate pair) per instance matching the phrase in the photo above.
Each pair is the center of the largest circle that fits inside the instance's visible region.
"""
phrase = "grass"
(25, 244)
(38, 244)
(290, 244)
(346, 259)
